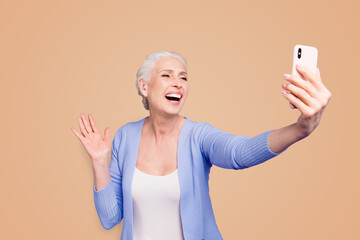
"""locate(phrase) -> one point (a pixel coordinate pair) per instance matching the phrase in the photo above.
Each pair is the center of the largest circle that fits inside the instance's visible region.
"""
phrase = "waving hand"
(97, 147)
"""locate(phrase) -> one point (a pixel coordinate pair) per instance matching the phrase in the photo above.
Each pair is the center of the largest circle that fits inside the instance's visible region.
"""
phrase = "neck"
(164, 126)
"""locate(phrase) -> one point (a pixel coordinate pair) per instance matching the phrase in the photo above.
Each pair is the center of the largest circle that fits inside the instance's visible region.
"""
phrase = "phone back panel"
(308, 58)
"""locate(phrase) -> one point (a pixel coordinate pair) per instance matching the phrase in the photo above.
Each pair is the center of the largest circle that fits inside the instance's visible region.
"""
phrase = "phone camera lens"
(299, 53)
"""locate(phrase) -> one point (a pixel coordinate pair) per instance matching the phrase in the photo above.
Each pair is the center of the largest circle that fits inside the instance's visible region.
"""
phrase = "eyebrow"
(169, 70)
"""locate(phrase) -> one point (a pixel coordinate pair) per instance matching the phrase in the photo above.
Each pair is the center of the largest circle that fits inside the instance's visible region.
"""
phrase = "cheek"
(186, 89)
(155, 95)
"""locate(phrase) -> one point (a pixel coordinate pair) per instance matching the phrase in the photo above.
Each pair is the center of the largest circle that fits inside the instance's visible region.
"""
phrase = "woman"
(159, 170)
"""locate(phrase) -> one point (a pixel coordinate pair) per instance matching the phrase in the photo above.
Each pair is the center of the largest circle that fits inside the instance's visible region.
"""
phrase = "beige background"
(63, 58)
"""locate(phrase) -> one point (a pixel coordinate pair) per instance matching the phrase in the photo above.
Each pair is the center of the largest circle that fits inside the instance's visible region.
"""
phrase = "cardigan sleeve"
(234, 152)
(109, 200)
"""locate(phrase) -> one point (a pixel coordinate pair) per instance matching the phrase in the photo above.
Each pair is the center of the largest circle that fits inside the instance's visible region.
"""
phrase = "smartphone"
(306, 56)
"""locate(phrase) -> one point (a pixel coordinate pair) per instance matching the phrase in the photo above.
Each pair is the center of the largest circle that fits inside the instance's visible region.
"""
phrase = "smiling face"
(168, 88)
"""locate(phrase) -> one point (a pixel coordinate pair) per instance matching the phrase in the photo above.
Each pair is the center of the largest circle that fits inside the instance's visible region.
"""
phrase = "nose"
(177, 82)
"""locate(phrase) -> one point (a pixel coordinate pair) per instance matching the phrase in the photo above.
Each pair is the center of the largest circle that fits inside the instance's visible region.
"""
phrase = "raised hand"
(97, 147)
(309, 96)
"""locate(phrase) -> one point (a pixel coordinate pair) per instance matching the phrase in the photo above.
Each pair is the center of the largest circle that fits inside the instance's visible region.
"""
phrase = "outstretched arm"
(310, 97)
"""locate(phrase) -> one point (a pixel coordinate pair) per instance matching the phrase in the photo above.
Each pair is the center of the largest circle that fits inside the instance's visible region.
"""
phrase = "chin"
(173, 111)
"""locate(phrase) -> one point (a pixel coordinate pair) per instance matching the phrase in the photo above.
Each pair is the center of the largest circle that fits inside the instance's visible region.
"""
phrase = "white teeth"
(174, 95)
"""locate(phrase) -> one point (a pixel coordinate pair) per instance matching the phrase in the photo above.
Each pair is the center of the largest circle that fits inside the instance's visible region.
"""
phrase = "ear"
(143, 87)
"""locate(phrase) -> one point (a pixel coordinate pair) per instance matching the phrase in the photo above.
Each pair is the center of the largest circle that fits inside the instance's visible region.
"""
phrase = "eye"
(165, 75)
(184, 78)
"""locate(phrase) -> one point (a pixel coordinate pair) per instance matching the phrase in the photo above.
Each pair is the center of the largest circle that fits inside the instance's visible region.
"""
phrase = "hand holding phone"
(305, 56)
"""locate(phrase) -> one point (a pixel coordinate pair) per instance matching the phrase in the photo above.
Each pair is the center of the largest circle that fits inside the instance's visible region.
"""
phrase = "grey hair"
(148, 65)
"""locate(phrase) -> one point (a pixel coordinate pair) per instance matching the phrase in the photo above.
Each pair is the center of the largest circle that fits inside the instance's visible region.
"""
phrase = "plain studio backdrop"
(62, 58)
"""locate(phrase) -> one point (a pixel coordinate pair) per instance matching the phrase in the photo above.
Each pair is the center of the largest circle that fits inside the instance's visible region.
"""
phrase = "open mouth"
(173, 97)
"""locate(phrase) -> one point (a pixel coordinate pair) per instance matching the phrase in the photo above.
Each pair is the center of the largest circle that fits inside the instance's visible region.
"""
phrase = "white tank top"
(156, 206)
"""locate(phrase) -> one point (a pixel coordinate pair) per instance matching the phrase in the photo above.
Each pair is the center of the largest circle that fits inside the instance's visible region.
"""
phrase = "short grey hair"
(148, 65)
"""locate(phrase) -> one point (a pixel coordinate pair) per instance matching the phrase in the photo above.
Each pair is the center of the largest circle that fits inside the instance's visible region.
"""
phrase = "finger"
(292, 106)
(321, 84)
(77, 134)
(299, 93)
(107, 134)
(295, 101)
(320, 87)
(86, 123)
(318, 73)
(82, 128)
(305, 72)
(324, 89)
(304, 84)
(92, 123)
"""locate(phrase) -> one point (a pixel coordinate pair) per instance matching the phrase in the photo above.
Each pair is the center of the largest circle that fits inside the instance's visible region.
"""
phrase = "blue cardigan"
(200, 146)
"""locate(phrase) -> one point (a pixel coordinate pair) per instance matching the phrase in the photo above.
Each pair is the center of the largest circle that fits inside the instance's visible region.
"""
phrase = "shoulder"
(129, 128)
(200, 128)
(197, 125)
